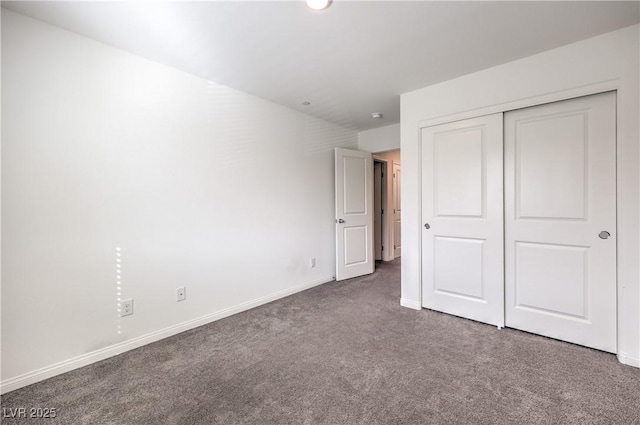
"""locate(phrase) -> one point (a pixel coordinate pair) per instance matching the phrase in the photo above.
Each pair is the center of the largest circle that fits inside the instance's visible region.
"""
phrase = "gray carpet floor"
(344, 353)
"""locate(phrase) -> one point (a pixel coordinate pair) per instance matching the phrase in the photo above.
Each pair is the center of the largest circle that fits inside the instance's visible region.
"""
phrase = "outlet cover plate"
(181, 293)
(126, 307)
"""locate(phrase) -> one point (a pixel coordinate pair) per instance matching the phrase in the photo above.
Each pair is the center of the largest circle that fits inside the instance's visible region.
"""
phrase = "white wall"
(380, 139)
(606, 62)
(197, 185)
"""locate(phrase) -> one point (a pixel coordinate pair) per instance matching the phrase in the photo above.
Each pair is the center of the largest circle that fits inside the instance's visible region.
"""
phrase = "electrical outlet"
(126, 307)
(181, 293)
(313, 262)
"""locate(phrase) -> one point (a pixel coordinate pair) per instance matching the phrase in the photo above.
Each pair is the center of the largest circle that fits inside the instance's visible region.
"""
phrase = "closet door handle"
(604, 234)
(340, 221)
(426, 226)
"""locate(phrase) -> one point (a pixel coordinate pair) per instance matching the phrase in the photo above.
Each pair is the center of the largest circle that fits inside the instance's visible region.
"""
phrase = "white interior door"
(354, 213)
(462, 215)
(560, 194)
(397, 235)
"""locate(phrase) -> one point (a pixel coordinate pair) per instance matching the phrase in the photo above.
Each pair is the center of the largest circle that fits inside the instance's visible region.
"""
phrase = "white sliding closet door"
(462, 217)
(560, 220)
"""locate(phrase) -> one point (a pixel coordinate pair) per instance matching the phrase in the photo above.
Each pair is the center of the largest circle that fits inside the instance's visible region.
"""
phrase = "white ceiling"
(350, 60)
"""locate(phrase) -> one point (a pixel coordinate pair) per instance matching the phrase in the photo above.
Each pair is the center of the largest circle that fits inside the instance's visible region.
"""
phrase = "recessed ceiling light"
(376, 115)
(306, 103)
(318, 4)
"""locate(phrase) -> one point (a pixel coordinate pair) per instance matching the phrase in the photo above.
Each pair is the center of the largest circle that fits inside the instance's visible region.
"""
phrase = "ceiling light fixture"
(318, 4)
(376, 115)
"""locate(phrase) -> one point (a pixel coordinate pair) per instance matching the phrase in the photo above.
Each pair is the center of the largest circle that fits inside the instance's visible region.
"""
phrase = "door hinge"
(382, 212)
(381, 174)
(383, 248)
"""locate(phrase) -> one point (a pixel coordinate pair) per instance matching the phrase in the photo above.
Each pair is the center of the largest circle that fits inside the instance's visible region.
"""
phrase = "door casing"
(396, 201)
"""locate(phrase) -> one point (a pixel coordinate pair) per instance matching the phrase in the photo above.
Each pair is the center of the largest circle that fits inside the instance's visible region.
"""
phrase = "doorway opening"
(379, 199)
(387, 205)
(367, 225)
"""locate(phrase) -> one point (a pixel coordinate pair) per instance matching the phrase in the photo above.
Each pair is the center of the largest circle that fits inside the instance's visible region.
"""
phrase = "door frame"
(394, 195)
(383, 202)
(387, 219)
(603, 87)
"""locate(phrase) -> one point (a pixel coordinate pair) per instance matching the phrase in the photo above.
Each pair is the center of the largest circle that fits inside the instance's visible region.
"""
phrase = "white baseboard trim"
(628, 360)
(410, 304)
(104, 353)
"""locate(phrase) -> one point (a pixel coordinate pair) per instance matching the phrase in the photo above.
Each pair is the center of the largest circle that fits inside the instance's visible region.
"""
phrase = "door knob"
(604, 234)
(426, 226)
(340, 221)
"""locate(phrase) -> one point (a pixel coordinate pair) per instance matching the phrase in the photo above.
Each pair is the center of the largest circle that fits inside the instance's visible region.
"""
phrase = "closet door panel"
(560, 220)
(462, 212)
